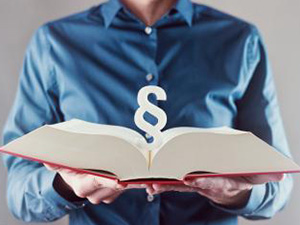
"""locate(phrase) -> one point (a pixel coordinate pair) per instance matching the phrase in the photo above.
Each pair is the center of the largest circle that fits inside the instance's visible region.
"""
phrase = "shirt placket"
(151, 78)
(152, 75)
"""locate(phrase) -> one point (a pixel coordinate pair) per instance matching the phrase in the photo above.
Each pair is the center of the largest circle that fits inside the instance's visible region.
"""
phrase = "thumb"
(51, 167)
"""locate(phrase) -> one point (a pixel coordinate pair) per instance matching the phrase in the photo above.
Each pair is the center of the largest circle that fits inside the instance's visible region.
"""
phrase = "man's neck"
(149, 11)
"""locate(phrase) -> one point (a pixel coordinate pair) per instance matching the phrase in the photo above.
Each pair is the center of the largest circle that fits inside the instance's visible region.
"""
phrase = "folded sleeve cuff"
(256, 198)
(58, 205)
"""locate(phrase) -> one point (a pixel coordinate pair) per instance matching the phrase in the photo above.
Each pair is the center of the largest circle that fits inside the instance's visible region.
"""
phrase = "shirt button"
(82, 205)
(148, 30)
(149, 77)
(150, 198)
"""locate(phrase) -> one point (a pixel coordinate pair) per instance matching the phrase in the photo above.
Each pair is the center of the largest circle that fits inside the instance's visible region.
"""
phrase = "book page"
(216, 152)
(173, 132)
(177, 131)
(82, 151)
(108, 149)
(84, 127)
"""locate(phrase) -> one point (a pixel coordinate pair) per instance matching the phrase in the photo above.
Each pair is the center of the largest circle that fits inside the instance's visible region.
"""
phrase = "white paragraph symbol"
(146, 106)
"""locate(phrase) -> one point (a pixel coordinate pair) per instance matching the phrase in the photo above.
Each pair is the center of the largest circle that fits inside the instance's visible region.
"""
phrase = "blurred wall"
(279, 22)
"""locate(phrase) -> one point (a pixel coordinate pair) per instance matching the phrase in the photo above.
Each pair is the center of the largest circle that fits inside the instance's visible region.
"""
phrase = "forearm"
(258, 112)
(30, 193)
(265, 200)
(275, 198)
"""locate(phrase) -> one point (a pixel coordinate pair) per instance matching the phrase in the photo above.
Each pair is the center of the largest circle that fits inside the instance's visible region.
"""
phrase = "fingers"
(95, 189)
(108, 195)
(149, 189)
(234, 183)
(103, 194)
(203, 183)
(219, 183)
(135, 186)
(221, 190)
(160, 188)
(51, 167)
(99, 182)
(112, 198)
(87, 184)
(230, 184)
(231, 191)
(276, 177)
(261, 179)
(59, 169)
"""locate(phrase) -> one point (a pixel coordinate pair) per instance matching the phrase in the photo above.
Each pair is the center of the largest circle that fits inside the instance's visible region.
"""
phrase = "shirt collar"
(185, 8)
(109, 10)
(112, 7)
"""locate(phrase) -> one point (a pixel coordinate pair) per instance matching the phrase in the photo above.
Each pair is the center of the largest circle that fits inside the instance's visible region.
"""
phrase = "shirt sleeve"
(258, 112)
(30, 193)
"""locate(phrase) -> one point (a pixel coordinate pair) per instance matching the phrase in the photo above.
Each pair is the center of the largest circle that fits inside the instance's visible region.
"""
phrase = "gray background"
(279, 22)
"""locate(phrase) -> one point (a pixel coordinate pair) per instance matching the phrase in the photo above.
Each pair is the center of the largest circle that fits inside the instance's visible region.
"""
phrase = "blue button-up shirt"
(91, 65)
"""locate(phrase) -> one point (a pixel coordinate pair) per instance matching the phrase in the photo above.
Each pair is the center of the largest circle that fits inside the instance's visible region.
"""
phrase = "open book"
(121, 153)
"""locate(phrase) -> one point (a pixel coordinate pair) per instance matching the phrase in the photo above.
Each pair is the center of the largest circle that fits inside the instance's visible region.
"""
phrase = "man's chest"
(100, 82)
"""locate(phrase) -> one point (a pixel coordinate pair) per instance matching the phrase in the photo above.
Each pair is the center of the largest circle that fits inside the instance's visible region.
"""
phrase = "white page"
(83, 145)
(83, 127)
(219, 153)
(83, 151)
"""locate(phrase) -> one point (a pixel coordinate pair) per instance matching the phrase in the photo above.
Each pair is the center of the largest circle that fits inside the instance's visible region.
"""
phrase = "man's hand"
(95, 189)
(229, 192)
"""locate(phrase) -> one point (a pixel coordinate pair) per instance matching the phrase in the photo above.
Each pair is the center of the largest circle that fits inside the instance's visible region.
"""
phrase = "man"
(91, 65)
